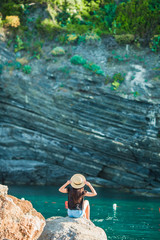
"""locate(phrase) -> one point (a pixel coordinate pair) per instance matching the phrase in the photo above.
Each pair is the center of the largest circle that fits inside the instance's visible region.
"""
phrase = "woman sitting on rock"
(77, 206)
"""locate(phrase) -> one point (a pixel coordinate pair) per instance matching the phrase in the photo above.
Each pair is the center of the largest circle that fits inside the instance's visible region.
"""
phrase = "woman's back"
(75, 198)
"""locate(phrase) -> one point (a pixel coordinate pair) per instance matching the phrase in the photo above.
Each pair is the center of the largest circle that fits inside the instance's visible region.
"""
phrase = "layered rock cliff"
(61, 119)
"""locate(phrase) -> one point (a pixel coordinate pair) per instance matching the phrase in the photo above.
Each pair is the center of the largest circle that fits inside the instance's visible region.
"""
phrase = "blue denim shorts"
(76, 213)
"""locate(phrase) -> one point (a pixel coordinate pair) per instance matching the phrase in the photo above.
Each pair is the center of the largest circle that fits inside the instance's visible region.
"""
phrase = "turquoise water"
(136, 218)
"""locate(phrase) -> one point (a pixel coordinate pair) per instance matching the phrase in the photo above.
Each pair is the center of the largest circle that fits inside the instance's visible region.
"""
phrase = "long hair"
(77, 195)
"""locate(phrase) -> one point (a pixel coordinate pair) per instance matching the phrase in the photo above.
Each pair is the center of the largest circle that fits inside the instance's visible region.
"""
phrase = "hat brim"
(77, 186)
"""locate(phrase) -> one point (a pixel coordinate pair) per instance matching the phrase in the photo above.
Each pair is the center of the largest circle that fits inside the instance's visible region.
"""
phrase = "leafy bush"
(118, 77)
(27, 69)
(48, 27)
(68, 38)
(78, 28)
(12, 21)
(76, 59)
(124, 38)
(88, 65)
(154, 5)
(89, 37)
(92, 36)
(155, 43)
(65, 70)
(19, 44)
(117, 80)
(36, 46)
(58, 51)
(71, 38)
(108, 13)
(11, 8)
(94, 68)
(136, 17)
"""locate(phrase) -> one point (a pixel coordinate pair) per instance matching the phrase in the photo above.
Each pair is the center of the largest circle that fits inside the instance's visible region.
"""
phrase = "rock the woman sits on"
(77, 206)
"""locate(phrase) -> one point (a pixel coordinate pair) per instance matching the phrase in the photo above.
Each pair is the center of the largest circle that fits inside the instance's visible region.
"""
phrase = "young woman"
(77, 206)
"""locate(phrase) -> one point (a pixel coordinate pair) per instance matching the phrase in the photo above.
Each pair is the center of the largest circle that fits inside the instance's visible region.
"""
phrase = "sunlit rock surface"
(61, 118)
(18, 219)
(61, 228)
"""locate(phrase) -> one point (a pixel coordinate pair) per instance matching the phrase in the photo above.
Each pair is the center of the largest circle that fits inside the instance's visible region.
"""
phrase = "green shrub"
(117, 79)
(68, 38)
(124, 38)
(88, 65)
(72, 38)
(48, 28)
(155, 43)
(76, 59)
(10, 8)
(58, 51)
(94, 68)
(27, 69)
(36, 47)
(136, 17)
(108, 14)
(65, 70)
(154, 5)
(78, 28)
(19, 44)
(89, 37)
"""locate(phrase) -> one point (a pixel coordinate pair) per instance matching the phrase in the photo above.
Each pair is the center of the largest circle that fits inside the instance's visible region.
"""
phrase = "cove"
(136, 217)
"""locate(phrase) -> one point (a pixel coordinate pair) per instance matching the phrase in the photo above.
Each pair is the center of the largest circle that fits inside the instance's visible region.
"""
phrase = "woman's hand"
(68, 182)
(93, 192)
(88, 183)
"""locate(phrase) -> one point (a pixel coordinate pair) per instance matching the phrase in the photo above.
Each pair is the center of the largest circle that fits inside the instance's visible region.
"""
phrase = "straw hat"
(78, 181)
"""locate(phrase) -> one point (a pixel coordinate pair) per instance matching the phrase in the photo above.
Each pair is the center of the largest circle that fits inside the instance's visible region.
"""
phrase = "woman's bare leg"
(87, 209)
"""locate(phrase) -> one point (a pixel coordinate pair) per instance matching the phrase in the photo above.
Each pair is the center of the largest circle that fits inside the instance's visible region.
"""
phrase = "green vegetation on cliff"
(139, 18)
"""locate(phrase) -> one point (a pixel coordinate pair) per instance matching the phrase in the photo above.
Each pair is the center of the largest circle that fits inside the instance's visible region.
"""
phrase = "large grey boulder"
(71, 229)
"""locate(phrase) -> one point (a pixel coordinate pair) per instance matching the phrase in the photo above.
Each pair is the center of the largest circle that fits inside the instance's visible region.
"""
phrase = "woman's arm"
(93, 191)
(63, 189)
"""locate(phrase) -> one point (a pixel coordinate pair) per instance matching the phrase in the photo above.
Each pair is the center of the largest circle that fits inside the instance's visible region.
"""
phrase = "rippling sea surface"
(135, 218)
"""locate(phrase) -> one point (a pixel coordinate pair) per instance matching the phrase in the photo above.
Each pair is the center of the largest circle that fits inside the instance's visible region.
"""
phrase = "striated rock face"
(18, 219)
(61, 228)
(61, 119)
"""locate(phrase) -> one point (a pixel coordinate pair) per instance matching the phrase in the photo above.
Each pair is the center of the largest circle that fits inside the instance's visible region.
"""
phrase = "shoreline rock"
(18, 219)
(65, 228)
